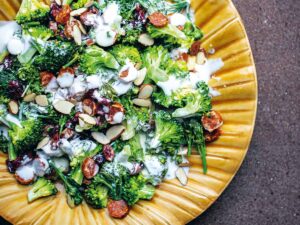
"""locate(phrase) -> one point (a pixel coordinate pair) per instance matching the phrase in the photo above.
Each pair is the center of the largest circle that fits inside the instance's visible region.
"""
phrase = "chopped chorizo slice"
(212, 121)
(89, 168)
(46, 78)
(118, 209)
(196, 48)
(64, 15)
(158, 19)
(212, 136)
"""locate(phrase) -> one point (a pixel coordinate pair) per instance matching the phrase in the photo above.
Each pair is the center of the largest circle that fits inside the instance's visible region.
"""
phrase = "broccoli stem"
(202, 151)
(77, 175)
(12, 155)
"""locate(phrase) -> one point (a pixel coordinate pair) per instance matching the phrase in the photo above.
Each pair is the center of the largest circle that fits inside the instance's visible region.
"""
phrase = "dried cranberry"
(51, 130)
(15, 89)
(89, 94)
(104, 101)
(99, 159)
(53, 26)
(140, 13)
(55, 9)
(12, 165)
(108, 153)
(7, 63)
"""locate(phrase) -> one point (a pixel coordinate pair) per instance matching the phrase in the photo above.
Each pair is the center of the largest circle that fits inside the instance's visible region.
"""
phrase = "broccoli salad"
(108, 98)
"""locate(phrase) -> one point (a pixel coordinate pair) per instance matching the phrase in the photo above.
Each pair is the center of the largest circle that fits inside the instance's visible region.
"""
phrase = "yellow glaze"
(173, 204)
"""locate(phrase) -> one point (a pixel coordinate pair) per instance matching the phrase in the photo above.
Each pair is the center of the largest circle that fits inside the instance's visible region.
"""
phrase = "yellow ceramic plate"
(172, 204)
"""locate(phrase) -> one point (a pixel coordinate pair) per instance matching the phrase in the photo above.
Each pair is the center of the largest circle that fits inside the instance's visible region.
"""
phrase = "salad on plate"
(104, 100)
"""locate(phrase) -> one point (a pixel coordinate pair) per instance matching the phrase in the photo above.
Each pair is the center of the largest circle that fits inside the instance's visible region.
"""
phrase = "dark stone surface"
(266, 190)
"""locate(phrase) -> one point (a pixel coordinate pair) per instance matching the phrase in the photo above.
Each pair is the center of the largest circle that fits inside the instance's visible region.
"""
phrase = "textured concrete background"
(266, 190)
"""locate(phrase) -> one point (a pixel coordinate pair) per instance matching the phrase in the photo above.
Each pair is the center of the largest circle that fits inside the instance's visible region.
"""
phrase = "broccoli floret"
(177, 68)
(32, 10)
(53, 55)
(136, 118)
(170, 35)
(113, 177)
(4, 142)
(132, 33)
(27, 137)
(37, 32)
(31, 75)
(178, 6)
(195, 138)
(76, 163)
(41, 188)
(197, 101)
(8, 73)
(124, 52)
(154, 6)
(168, 133)
(155, 60)
(136, 188)
(96, 196)
(79, 4)
(74, 196)
(192, 31)
(95, 58)
(136, 150)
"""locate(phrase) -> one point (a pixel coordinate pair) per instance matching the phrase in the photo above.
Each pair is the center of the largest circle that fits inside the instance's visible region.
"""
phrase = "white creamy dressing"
(7, 30)
(118, 118)
(79, 87)
(177, 19)
(93, 81)
(153, 165)
(121, 88)
(26, 172)
(4, 131)
(202, 73)
(52, 86)
(177, 52)
(10, 118)
(122, 159)
(65, 80)
(40, 166)
(61, 163)
(107, 26)
(52, 152)
(132, 72)
(15, 46)
(172, 167)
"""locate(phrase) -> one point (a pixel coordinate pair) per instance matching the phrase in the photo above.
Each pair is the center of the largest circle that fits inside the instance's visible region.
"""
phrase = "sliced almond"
(191, 63)
(58, 2)
(142, 102)
(87, 109)
(41, 100)
(140, 77)
(76, 35)
(201, 59)
(63, 107)
(181, 176)
(81, 27)
(43, 143)
(13, 107)
(88, 119)
(146, 39)
(81, 122)
(29, 97)
(78, 12)
(115, 132)
(146, 91)
(101, 138)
